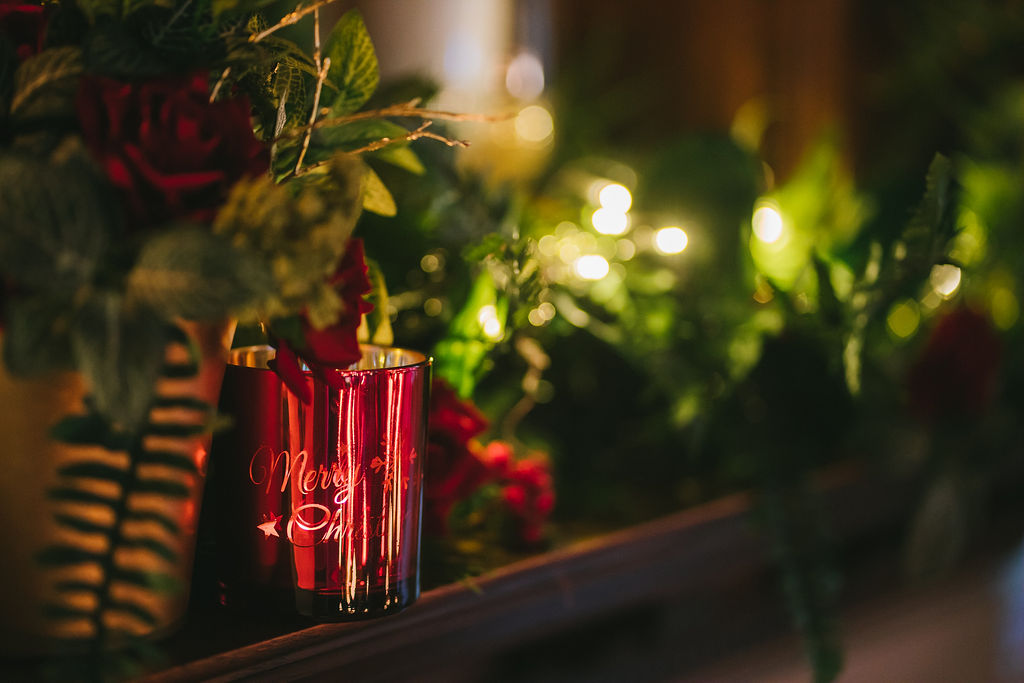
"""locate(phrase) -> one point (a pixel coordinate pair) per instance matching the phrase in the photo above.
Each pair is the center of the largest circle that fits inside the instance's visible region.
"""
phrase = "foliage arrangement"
(822, 319)
(165, 166)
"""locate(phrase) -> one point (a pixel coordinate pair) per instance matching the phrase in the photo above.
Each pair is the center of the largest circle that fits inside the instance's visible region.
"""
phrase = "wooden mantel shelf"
(689, 586)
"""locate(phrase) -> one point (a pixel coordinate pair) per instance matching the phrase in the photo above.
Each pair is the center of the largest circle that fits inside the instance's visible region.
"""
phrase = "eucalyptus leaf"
(190, 273)
(354, 71)
(46, 83)
(119, 349)
(57, 218)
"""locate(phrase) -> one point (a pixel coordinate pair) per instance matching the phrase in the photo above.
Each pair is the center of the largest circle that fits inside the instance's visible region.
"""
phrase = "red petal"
(286, 365)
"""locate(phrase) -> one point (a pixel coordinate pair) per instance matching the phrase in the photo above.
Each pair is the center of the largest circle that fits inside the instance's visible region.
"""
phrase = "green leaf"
(46, 83)
(173, 430)
(168, 524)
(178, 461)
(57, 215)
(190, 273)
(36, 335)
(179, 370)
(326, 141)
(69, 494)
(52, 610)
(90, 430)
(152, 545)
(400, 155)
(158, 581)
(134, 609)
(376, 197)
(185, 402)
(81, 524)
(375, 327)
(354, 71)
(492, 244)
(94, 470)
(63, 555)
(73, 586)
(119, 349)
(163, 487)
(98, 8)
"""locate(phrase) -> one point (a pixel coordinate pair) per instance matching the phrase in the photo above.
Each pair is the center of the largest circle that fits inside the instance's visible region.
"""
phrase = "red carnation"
(335, 346)
(24, 26)
(955, 376)
(454, 468)
(171, 152)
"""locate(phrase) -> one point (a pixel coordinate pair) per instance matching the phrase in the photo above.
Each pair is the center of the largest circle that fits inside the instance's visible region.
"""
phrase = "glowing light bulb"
(591, 267)
(767, 224)
(534, 124)
(671, 240)
(945, 280)
(610, 222)
(615, 197)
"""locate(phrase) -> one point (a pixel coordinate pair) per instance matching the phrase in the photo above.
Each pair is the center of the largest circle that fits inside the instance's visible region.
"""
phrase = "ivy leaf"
(190, 273)
(46, 83)
(120, 350)
(354, 70)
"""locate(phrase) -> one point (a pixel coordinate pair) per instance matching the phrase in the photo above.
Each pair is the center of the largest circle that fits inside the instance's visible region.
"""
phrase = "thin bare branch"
(419, 133)
(312, 115)
(220, 83)
(287, 20)
(407, 110)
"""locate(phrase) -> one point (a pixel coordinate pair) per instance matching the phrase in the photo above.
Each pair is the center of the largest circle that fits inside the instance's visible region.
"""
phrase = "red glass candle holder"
(340, 496)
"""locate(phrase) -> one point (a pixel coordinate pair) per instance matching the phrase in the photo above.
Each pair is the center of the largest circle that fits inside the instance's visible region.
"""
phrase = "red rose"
(529, 497)
(955, 376)
(24, 26)
(454, 467)
(169, 150)
(335, 346)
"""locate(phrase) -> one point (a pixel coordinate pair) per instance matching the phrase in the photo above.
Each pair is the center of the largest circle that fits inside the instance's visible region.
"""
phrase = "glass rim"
(258, 356)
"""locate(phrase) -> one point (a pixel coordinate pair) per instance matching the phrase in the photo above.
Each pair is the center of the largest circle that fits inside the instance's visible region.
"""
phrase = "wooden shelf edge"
(700, 550)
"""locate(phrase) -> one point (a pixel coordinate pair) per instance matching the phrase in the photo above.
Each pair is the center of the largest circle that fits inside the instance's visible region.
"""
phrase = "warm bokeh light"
(541, 315)
(767, 224)
(615, 197)
(625, 249)
(945, 280)
(904, 319)
(610, 222)
(430, 263)
(591, 267)
(488, 319)
(433, 307)
(524, 78)
(671, 240)
(534, 124)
